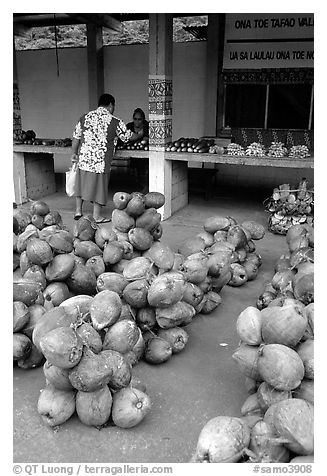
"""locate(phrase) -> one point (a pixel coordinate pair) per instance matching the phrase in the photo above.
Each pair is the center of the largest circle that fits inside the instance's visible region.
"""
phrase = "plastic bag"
(71, 180)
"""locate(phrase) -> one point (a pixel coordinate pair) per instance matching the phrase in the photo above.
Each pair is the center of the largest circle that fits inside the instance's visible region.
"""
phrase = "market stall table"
(34, 170)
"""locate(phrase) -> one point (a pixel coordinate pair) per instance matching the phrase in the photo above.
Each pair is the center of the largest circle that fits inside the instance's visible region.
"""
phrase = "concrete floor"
(200, 383)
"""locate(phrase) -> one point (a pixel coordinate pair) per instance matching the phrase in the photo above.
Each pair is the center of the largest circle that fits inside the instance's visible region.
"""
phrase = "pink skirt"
(92, 187)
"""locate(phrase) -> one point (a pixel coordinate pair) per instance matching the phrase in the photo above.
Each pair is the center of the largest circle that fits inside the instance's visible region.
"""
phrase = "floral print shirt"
(98, 132)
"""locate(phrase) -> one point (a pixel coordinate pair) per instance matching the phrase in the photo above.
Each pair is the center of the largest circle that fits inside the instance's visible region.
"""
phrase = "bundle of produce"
(84, 371)
(189, 144)
(255, 150)
(277, 149)
(226, 249)
(294, 271)
(235, 149)
(216, 149)
(142, 144)
(299, 152)
(289, 206)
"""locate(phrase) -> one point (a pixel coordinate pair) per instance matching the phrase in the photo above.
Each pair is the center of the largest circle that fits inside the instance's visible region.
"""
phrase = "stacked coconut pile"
(276, 356)
(226, 249)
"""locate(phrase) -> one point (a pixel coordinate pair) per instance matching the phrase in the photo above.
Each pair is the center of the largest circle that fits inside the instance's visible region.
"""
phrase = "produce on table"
(299, 152)
(235, 149)
(255, 150)
(277, 149)
(190, 144)
(290, 206)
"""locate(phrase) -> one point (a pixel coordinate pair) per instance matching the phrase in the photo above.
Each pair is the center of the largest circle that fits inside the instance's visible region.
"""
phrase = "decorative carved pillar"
(163, 173)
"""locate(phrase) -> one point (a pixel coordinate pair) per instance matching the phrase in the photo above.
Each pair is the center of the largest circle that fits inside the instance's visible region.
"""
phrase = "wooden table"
(34, 170)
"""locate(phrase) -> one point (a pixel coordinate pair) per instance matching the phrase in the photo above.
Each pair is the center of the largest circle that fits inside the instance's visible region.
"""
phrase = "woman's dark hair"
(138, 110)
(106, 99)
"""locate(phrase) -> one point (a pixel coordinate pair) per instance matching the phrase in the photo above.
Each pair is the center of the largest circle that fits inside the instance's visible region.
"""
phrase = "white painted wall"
(52, 104)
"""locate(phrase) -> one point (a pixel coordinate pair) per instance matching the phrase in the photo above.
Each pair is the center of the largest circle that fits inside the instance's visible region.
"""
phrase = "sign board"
(268, 40)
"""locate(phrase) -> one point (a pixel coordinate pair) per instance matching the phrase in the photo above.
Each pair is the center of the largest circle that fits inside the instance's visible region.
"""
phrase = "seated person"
(139, 124)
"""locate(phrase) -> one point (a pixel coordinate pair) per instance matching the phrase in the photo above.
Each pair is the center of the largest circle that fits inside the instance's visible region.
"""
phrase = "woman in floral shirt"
(93, 146)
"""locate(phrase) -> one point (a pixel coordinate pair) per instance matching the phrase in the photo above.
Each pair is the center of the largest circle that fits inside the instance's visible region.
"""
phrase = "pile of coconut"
(158, 290)
(227, 249)
(276, 355)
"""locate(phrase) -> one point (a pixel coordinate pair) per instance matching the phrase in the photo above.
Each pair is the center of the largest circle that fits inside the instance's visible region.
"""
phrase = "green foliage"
(133, 32)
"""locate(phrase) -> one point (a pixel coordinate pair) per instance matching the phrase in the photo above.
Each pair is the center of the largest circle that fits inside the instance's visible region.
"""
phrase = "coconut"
(52, 218)
(222, 440)
(46, 232)
(56, 317)
(219, 263)
(128, 250)
(208, 238)
(256, 230)
(22, 346)
(174, 315)
(61, 241)
(35, 313)
(96, 264)
(157, 350)
(127, 311)
(34, 359)
(62, 347)
(105, 309)
(157, 232)
(120, 199)
(251, 269)
(120, 266)
(90, 337)
(266, 446)
(146, 318)
(304, 288)
(56, 293)
(129, 407)
(56, 406)
(292, 420)
(166, 289)
(212, 301)
(39, 251)
(82, 280)
(26, 291)
(136, 292)
(76, 306)
(111, 281)
(239, 275)
(280, 366)
(16, 261)
(255, 258)
(220, 236)
(133, 356)
(246, 356)
(94, 408)
(104, 235)
(195, 270)
(85, 228)
(24, 238)
(121, 369)
(122, 221)
(162, 256)
(248, 326)
(21, 316)
(92, 372)
(236, 236)
(121, 336)
(57, 377)
(267, 395)
(215, 223)
(154, 200)
(192, 245)
(218, 282)
(306, 352)
(137, 268)
(251, 405)
(282, 325)
(176, 337)
(86, 249)
(251, 385)
(149, 220)
(23, 219)
(251, 420)
(36, 273)
(282, 280)
(136, 205)
(113, 253)
(178, 261)
(265, 299)
(60, 267)
(305, 391)
(309, 313)
(192, 294)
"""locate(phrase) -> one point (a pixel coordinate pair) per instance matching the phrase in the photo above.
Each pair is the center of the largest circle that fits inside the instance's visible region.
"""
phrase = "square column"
(161, 173)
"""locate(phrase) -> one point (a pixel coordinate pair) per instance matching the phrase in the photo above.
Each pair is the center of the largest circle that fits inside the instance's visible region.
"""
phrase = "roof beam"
(99, 19)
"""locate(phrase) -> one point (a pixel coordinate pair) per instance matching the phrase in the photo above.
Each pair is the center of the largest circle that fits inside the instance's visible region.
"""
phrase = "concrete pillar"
(160, 110)
(95, 67)
(214, 99)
